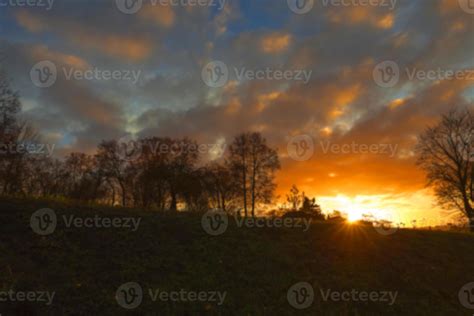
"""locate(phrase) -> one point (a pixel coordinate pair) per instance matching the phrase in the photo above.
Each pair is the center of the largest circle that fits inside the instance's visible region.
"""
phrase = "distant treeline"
(155, 173)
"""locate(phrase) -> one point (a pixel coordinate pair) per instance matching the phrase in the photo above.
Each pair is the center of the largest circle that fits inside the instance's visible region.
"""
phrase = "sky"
(340, 88)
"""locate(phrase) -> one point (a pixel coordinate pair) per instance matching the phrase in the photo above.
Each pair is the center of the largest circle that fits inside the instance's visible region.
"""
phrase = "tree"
(445, 153)
(165, 174)
(181, 164)
(253, 164)
(303, 206)
(82, 178)
(12, 134)
(311, 208)
(220, 186)
(238, 164)
(113, 166)
(294, 198)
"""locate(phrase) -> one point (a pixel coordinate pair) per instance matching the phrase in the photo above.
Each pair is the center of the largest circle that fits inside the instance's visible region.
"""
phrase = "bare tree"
(238, 164)
(113, 166)
(13, 135)
(294, 198)
(220, 186)
(446, 153)
(253, 164)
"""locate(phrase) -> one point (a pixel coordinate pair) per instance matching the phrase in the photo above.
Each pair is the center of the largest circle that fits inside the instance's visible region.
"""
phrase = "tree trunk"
(254, 175)
(223, 204)
(124, 198)
(470, 214)
(174, 202)
(244, 173)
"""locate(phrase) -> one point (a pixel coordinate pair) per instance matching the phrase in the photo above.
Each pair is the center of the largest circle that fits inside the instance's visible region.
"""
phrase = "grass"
(256, 267)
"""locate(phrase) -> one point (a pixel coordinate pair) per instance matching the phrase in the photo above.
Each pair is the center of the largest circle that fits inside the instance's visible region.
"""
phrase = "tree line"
(141, 174)
(153, 173)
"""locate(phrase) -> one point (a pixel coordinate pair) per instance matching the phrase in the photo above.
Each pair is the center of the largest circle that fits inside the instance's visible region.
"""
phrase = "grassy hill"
(254, 266)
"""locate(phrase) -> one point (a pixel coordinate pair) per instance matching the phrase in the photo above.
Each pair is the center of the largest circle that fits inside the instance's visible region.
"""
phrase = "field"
(255, 267)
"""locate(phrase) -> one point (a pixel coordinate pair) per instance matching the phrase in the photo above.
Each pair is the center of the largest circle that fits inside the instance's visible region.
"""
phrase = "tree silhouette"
(445, 152)
(253, 165)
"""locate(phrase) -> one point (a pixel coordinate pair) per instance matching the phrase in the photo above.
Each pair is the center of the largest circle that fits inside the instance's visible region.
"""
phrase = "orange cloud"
(448, 6)
(275, 43)
(162, 15)
(42, 52)
(386, 22)
(361, 15)
(133, 48)
(130, 48)
(30, 22)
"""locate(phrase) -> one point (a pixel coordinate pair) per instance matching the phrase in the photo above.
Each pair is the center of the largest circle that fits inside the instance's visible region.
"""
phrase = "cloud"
(122, 46)
(352, 15)
(341, 104)
(41, 52)
(161, 15)
(30, 22)
(275, 43)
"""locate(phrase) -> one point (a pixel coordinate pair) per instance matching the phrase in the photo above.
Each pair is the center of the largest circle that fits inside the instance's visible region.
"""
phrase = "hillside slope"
(254, 266)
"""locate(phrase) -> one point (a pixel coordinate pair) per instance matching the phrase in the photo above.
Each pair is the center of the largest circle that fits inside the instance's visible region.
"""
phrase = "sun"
(354, 215)
(353, 207)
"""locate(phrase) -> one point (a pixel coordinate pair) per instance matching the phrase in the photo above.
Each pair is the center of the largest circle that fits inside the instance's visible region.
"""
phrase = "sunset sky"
(341, 103)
